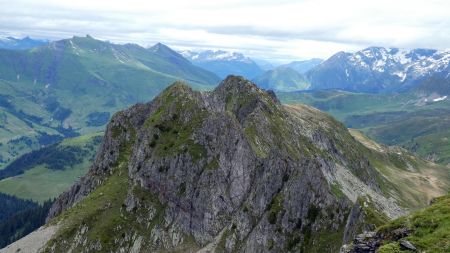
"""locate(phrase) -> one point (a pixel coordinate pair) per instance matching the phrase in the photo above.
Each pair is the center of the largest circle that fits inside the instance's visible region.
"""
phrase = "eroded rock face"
(230, 169)
(367, 242)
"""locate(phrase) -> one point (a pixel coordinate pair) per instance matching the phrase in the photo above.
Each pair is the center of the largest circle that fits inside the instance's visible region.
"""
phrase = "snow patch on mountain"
(401, 63)
(77, 50)
(401, 75)
(379, 65)
(376, 69)
(439, 99)
(214, 55)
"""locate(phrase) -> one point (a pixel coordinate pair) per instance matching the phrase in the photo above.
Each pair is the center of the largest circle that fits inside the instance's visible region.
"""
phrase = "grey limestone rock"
(232, 168)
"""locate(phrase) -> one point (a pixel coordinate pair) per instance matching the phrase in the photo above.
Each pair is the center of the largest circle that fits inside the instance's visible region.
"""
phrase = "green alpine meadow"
(291, 126)
(73, 86)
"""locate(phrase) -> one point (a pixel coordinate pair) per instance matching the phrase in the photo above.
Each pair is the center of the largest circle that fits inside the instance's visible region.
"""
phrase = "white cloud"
(266, 29)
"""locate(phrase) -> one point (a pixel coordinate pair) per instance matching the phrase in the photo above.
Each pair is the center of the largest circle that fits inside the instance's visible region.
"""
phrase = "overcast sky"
(276, 29)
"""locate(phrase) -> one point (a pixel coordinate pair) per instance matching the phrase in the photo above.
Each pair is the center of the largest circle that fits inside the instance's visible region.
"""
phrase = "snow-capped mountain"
(20, 44)
(215, 55)
(224, 63)
(376, 69)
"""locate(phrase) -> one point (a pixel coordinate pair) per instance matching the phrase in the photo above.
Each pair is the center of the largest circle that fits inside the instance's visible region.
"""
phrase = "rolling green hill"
(417, 121)
(47, 172)
(73, 86)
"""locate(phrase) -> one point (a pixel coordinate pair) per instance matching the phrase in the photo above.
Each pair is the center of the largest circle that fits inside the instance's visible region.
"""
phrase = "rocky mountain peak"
(238, 86)
(237, 82)
(177, 88)
(164, 50)
(159, 47)
(241, 97)
(227, 170)
(235, 95)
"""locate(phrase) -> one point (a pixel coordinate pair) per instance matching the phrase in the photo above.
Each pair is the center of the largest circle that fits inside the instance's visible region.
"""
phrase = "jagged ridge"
(229, 170)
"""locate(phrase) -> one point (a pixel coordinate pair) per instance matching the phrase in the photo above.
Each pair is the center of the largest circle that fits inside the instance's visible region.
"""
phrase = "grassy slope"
(79, 77)
(394, 119)
(414, 182)
(19, 130)
(430, 228)
(41, 183)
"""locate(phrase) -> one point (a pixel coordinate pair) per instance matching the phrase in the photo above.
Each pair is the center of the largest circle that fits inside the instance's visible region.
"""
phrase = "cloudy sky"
(268, 29)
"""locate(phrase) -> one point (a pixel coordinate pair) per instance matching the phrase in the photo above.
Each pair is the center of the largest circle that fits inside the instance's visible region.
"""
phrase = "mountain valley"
(242, 166)
(416, 120)
(73, 86)
(216, 170)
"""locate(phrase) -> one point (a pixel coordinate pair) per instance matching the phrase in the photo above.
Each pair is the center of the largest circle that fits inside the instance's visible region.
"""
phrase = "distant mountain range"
(377, 69)
(224, 63)
(303, 66)
(264, 64)
(20, 44)
(282, 79)
(73, 86)
(373, 70)
(287, 77)
(163, 162)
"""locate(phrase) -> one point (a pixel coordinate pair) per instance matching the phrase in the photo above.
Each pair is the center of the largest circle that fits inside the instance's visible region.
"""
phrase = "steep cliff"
(231, 170)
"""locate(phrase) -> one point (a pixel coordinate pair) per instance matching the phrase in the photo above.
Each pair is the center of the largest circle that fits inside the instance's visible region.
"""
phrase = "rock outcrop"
(370, 242)
(231, 170)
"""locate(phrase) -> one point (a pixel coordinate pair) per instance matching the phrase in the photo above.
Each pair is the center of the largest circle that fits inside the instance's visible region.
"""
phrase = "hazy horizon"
(282, 31)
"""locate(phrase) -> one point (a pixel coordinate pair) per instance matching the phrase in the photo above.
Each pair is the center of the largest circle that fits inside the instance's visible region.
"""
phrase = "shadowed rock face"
(231, 169)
